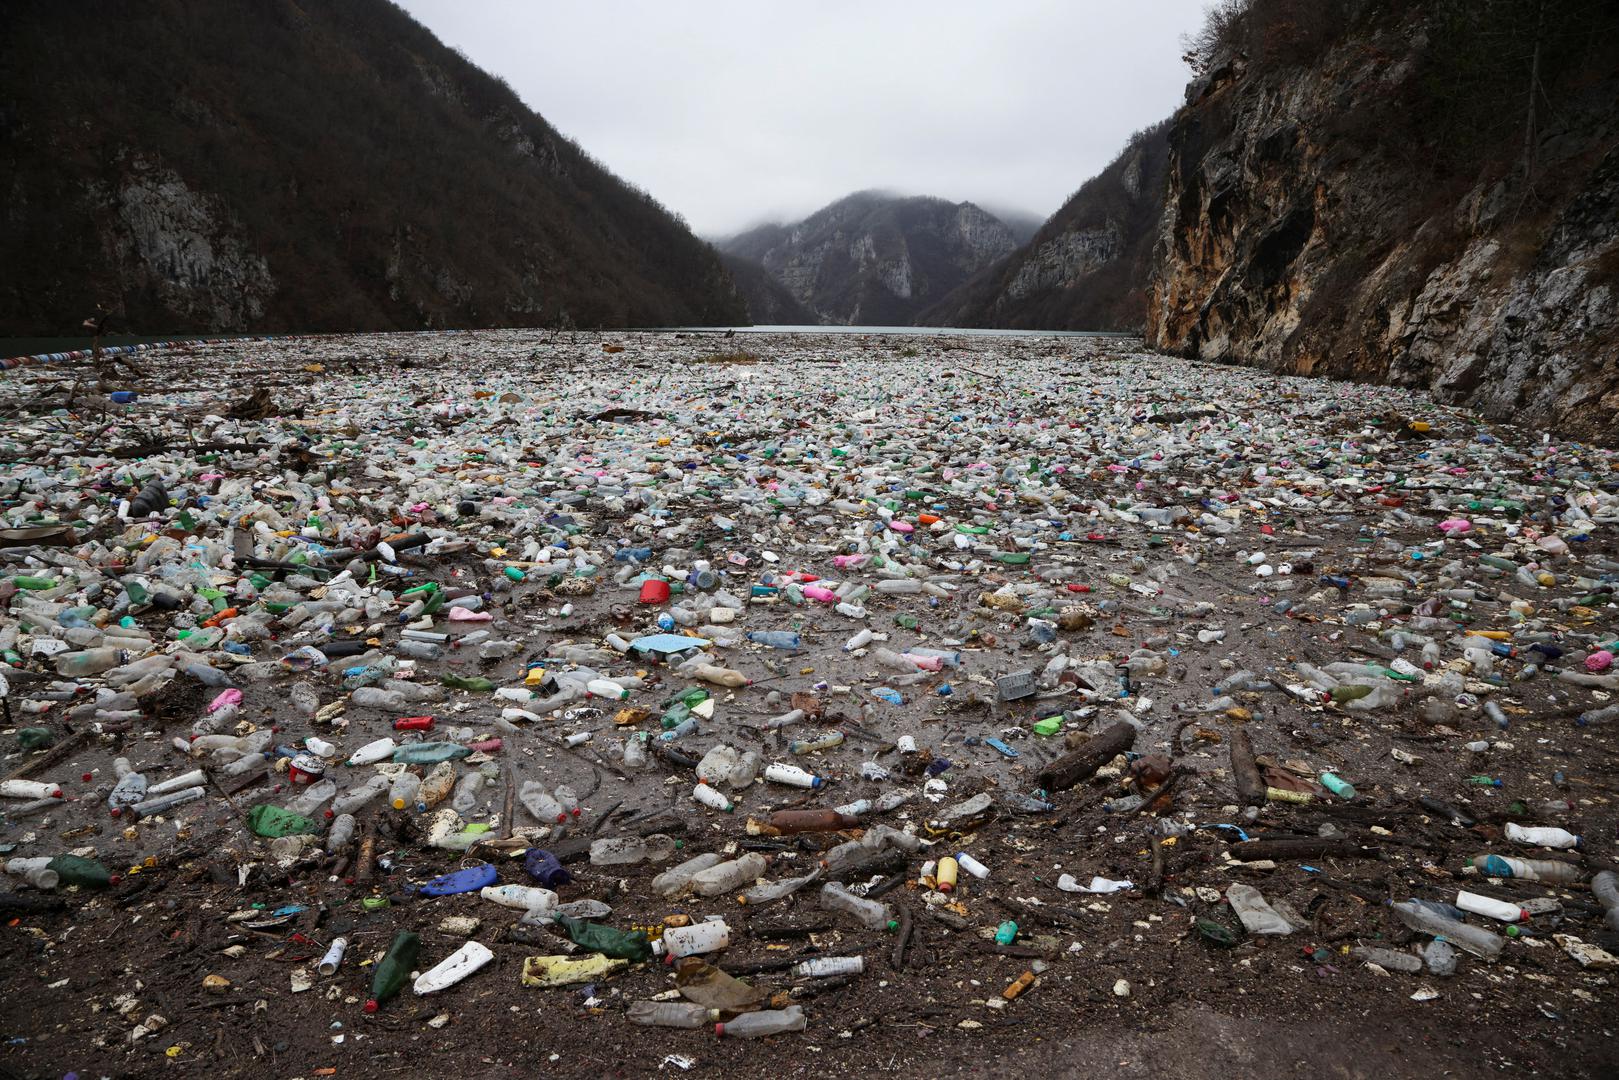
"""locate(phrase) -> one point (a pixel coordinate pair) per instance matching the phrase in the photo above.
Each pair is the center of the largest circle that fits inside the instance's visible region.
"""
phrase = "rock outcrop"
(1339, 218)
(1086, 268)
(875, 259)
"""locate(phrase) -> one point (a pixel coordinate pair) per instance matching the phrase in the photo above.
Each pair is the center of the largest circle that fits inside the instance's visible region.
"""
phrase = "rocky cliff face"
(1320, 219)
(1086, 268)
(875, 259)
(287, 166)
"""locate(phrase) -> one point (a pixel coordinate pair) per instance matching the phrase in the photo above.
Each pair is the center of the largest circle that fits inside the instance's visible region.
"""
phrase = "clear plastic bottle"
(541, 803)
(674, 880)
(402, 792)
(1479, 942)
(131, 786)
(766, 1022)
(729, 876)
(371, 697)
(869, 913)
(357, 798)
(626, 850)
(467, 792)
(310, 802)
(675, 1014)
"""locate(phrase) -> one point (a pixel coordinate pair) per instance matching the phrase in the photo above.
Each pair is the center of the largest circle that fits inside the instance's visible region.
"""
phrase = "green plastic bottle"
(394, 969)
(620, 944)
(33, 583)
(73, 870)
(463, 682)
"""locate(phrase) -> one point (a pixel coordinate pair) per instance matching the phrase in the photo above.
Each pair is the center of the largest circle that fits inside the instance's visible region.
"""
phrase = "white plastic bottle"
(520, 897)
(792, 775)
(712, 798)
(825, 966)
(453, 968)
(372, 752)
(1542, 836)
(708, 936)
(1491, 907)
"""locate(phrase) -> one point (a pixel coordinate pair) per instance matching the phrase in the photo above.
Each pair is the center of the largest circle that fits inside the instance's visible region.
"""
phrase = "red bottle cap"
(371, 1006)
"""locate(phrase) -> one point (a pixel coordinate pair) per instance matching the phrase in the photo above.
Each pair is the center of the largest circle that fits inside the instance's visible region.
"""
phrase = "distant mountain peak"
(875, 257)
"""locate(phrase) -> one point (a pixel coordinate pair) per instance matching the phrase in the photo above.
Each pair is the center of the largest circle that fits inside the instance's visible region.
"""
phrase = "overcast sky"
(733, 113)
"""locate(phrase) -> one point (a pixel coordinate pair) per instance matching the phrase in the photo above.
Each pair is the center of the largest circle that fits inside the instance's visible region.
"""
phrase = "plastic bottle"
(520, 897)
(545, 868)
(675, 1014)
(775, 639)
(1480, 943)
(1550, 870)
(972, 865)
(1337, 785)
(394, 969)
(675, 880)
(825, 966)
(436, 786)
(1490, 907)
(340, 834)
(371, 697)
(78, 665)
(453, 969)
(708, 936)
(130, 789)
(36, 871)
(161, 803)
(728, 876)
(719, 676)
(792, 775)
(606, 688)
(625, 850)
(360, 796)
(540, 803)
(1605, 887)
(712, 798)
(402, 792)
(827, 741)
(869, 913)
(373, 752)
(1542, 836)
(766, 1022)
(310, 801)
(768, 891)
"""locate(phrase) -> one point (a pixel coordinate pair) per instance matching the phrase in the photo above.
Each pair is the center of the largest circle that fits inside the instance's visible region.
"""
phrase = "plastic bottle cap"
(371, 1006)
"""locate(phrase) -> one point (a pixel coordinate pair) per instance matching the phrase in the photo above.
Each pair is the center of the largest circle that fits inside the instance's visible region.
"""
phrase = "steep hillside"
(284, 165)
(876, 259)
(767, 300)
(1425, 194)
(1087, 267)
